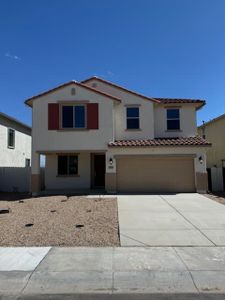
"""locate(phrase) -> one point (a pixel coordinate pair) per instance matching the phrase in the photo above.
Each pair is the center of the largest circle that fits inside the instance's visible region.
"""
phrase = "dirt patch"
(79, 221)
(217, 196)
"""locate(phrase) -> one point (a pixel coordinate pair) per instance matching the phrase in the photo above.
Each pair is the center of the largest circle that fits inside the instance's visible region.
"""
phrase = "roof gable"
(198, 102)
(72, 82)
(119, 87)
(212, 121)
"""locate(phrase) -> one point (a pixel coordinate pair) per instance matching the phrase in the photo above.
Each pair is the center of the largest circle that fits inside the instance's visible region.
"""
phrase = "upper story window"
(73, 116)
(173, 119)
(67, 165)
(133, 121)
(11, 138)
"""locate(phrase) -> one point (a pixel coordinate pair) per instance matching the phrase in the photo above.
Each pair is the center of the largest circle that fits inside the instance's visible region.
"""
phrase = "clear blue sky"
(162, 48)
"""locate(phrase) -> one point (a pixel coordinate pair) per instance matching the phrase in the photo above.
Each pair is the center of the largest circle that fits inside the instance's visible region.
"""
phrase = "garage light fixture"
(200, 159)
(110, 161)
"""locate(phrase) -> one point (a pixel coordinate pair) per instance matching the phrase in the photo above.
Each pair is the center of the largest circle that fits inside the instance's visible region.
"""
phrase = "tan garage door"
(151, 174)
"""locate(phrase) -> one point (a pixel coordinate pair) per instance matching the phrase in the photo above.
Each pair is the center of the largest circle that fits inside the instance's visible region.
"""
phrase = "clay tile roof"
(187, 141)
(200, 102)
(180, 100)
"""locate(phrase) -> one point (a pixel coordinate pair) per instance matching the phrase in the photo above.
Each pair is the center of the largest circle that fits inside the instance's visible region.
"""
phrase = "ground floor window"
(67, 165)
(27, 162)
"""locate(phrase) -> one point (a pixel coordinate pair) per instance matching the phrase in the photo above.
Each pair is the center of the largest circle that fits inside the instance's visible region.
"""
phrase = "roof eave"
(156, 146)
(120, 87)
(200, 105)
(29, 101)
(15, 121)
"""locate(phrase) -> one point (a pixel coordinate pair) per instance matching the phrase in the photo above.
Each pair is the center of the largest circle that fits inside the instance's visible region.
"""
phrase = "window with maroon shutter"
(53, 116)
(92, 116)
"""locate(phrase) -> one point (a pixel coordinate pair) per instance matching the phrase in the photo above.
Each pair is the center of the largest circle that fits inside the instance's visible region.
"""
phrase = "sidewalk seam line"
(21, 292)
(192, 278)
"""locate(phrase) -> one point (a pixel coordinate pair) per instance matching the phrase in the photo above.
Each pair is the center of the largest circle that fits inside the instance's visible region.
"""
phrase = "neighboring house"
(15, 154)
(213, 132)
(15, 142)
(96, 134)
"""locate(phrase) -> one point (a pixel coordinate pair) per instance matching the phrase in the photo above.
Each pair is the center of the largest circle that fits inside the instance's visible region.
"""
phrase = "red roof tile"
(200, 102)
(179, 100)
(188, 141)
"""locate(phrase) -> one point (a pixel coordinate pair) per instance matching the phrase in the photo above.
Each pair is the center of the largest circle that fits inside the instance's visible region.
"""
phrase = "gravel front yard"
(59, 221)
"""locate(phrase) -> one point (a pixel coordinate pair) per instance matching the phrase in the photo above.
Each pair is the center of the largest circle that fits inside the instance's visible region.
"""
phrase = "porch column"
(110, 173)
(35, 174)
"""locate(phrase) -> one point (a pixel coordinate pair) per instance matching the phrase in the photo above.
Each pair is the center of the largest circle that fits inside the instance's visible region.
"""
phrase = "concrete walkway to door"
(171, 220)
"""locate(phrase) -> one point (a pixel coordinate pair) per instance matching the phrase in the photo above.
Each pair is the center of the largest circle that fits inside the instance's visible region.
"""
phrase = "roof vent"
(73, 91)
(94, 85)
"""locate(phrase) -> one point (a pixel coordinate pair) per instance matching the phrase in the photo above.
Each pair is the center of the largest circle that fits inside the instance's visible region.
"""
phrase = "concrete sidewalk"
(113, 273)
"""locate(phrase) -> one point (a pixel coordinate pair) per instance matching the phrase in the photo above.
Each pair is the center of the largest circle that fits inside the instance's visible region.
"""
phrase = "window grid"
(133, 118)
(74, 119)
(170, 119)
(69, 166)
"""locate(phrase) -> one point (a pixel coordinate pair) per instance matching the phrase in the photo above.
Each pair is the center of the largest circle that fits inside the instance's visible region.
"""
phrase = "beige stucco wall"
(82, 181)
(152, 116)
(197, 151)
(199, 168)
(50, 140)
(214, 134)
(188, 126)
(14, 157)
(146, 112)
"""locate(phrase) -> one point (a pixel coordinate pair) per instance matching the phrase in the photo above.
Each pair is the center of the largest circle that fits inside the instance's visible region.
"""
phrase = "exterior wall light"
(200, 159)
(110, 161)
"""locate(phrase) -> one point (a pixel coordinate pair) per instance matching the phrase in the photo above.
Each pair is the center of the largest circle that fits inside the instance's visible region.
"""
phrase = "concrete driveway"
(171, 220)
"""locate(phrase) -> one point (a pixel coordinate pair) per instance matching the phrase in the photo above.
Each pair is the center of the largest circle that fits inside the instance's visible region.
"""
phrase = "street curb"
(117, 296)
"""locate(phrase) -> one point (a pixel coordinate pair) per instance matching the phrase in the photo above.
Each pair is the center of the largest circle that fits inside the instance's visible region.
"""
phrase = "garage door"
(151, 174)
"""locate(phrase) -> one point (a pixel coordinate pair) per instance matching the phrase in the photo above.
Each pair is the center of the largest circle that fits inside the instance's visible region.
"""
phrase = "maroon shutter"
(53, 116)
(92, 116)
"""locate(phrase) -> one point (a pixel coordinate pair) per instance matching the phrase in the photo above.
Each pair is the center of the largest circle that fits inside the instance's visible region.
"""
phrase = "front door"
(99, 170)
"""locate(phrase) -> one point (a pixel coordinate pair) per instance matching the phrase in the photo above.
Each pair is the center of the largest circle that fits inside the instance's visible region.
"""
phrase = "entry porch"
(82, 171)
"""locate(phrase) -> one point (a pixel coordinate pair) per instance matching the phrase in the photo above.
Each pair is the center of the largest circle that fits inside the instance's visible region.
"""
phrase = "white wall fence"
(216, 180)
(13, 179)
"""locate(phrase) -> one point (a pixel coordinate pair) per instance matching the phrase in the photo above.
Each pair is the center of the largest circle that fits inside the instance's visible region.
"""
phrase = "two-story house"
(96, 134)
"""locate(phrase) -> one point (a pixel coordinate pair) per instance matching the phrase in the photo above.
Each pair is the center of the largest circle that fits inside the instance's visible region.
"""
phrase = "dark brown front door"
(99, 171)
